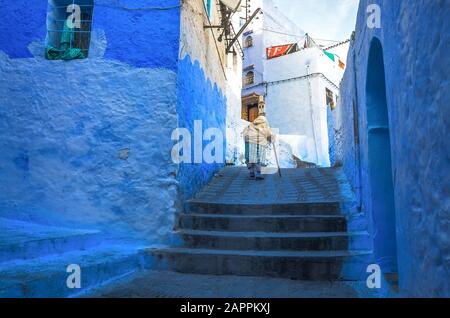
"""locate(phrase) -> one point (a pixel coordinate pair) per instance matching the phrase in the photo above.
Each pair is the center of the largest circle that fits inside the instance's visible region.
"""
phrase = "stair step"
(24, 240)
(265, 223)
(293, 227)
(317, 265)
(47, 276)
(319, 241)
(301, 208)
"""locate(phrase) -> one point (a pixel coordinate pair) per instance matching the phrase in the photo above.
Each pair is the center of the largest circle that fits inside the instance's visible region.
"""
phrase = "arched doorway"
(380, 168)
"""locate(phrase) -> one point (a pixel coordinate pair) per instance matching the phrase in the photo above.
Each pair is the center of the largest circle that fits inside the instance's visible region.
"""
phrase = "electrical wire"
(336, 45)
(279, 32)
(324, 40)
(215, 43)
(300, 36)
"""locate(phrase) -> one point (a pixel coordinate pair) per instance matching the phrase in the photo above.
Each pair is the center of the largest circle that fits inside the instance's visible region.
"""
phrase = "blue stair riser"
(262, 224)
(269, 209)
(54, 283)
(314, 269)
(267, 243)
(48, 246)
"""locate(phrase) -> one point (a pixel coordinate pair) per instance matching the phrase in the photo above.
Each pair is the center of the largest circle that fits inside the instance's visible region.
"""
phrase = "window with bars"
(69, 25)
(248, 42)
(249, 78)
(330, 98)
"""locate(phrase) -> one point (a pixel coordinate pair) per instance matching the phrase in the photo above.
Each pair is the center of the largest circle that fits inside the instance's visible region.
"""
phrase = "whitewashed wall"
(298, 107)
(224, 70)
(235, 125)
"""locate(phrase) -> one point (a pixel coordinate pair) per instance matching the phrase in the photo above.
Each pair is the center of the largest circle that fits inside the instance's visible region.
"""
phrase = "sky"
(322, 19)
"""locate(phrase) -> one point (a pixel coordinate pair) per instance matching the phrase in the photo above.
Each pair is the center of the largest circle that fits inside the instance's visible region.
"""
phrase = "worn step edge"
(46, 276)
(274, 240)
(256, 223)
(325, 265)
(261, 216)
(290, 254)
(268, 234)
(48, 246)
(251, 203)
(297, 208)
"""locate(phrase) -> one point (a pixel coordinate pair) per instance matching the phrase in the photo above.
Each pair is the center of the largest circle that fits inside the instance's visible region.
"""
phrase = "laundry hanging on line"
(281, 50)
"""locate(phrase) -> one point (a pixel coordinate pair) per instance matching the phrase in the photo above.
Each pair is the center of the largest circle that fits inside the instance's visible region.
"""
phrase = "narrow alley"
(294, 227)
(224, 149)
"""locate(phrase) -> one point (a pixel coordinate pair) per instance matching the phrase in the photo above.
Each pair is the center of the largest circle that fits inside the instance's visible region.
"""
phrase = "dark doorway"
(380, 168)
(253, 111)
(250, 110)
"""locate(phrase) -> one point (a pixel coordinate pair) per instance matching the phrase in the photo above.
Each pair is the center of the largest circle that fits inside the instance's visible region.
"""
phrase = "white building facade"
(300, 84)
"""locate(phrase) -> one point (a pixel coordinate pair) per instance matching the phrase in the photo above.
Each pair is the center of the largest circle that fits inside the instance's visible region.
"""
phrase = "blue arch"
(380, 167)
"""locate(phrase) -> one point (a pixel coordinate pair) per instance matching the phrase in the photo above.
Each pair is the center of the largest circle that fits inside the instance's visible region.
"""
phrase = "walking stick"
(276, 158)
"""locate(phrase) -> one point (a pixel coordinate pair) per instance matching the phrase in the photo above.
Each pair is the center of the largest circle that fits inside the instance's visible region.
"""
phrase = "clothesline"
(301, 36)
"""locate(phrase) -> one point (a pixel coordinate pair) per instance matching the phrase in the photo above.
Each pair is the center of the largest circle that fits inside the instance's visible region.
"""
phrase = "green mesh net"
(65, 50)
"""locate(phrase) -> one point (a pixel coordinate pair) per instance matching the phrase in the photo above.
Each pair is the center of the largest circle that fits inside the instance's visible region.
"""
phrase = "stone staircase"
(34, 259)
(291, 227)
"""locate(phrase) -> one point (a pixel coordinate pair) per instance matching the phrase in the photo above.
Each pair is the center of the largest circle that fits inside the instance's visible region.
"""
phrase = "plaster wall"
(296, 107)
(209, 85)
(414, 39)
(296, 103)
(87, 142)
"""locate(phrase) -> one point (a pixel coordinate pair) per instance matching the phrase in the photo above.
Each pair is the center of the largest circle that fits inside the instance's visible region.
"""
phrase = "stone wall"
(87, 142)
(209, 87)
(202, 101)
(296, 104)
(201, 89)
(414, 42)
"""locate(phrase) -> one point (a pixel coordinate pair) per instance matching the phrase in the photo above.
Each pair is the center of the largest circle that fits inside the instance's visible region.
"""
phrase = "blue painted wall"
(331, 136)
(87, 143)
(198, 99)
(142, 38)
(22, 23)
(379, 155)
(414, 38)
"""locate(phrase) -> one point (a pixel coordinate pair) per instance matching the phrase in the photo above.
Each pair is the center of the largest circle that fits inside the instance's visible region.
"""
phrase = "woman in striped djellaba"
(258, 136)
